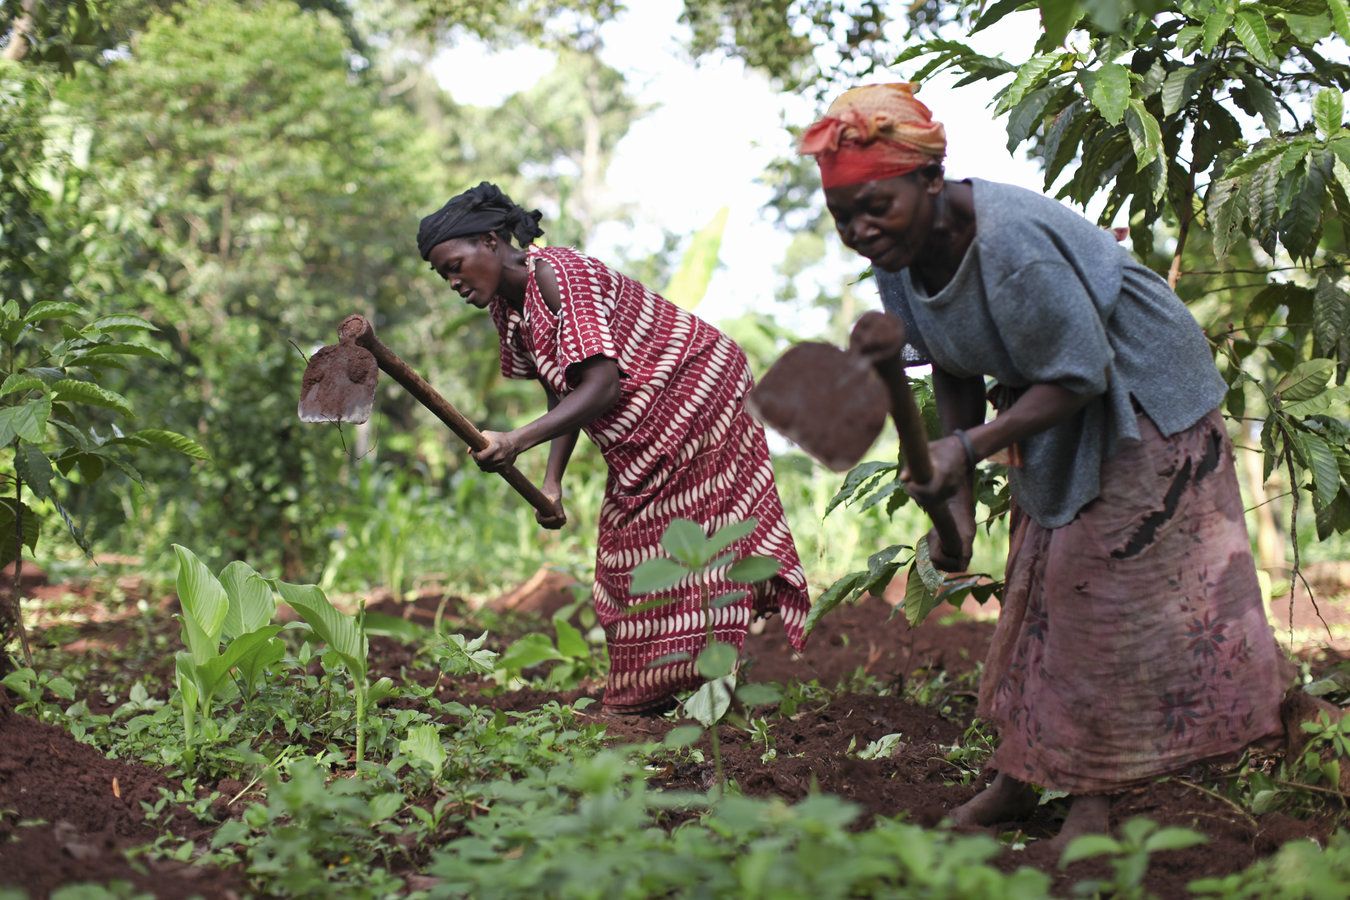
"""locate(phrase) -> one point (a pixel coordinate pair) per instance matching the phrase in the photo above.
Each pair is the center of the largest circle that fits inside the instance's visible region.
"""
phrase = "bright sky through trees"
(713, 130)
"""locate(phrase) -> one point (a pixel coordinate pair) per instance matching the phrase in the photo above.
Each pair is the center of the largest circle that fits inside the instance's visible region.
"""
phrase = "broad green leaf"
(51, 309)
(20, 381)
(681, 736)
(855, 479)
(1322, 462)
(204, 604)
(710, 703)
(570, 642)
(923, 564)
(9, 523)
(1057, 18)
(1216, 23)
(1263, 101)
(384, 805)
(1188, 38)
(1087, 846)
(1145, 135)
(997, 11)
(833, 596)
(1111, 92)
(213, 672)
(1340, 17)
(1173, 839)
(253, 666)
(424, 742)
(105, 352)
(753, 569)
(1251, 29)
(28, 420)
(71, 391)
(717, 660)
(1328, 111)
(169, 440)
(689, 284)
(759, 694)
(1027, 116)
(686, 541)
(919, 600)
(530, 650)
(33, 466)
(336, 629)
(61, 687)
(1308, 379)
(1308, 29)
(1178, 88)
(1331, 316)
(1334, 400)
(252, 604)
(730, 534)
(121, 323)
(656, 575)
(1028, 74)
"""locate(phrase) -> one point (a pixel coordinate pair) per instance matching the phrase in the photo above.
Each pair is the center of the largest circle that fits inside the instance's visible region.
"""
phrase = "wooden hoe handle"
(359, 330)
(881, 338)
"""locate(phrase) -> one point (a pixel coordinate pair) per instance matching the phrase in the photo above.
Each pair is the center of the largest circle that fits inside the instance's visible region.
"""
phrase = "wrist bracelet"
(971, 457)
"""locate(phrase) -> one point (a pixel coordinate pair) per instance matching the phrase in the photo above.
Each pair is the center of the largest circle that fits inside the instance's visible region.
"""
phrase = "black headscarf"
(478, 211)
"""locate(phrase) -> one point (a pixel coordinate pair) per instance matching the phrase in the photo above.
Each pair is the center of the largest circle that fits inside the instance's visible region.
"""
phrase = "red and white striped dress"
(678, 443)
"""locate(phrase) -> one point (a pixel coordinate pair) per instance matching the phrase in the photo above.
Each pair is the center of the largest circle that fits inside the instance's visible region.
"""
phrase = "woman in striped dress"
(661, 394)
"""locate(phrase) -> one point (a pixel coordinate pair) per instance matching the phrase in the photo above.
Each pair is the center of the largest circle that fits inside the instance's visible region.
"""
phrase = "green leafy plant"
(346, 639)
(237, 607)
(700, 557)
(1128, 855)
(576, 660)
(32, 686)
(61, 424)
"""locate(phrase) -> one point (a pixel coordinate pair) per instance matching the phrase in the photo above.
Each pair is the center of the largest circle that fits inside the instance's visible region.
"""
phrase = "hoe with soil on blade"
(832, 403)
(339, 386)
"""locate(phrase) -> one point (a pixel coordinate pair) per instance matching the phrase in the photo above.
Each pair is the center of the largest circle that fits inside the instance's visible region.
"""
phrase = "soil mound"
(69, 814)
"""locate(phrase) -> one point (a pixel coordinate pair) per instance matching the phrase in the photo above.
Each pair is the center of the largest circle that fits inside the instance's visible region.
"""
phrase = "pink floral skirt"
(1132, 641)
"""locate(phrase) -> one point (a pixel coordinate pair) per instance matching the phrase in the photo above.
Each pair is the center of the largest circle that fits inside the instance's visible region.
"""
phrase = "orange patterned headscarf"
(873, 132)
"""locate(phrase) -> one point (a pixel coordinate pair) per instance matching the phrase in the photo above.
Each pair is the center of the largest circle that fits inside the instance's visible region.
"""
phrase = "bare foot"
(1087, 815)
(1004, 800)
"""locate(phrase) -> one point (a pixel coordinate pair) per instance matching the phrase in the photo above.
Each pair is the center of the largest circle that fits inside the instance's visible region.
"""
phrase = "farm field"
(870, 735)
(392, 390)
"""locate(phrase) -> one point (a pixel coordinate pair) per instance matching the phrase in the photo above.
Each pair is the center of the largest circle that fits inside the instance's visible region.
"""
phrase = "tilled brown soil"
(45, 775)
(69, 814)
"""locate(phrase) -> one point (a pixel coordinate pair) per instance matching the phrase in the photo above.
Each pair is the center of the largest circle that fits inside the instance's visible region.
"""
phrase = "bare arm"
(1040, 407)
(559, 452)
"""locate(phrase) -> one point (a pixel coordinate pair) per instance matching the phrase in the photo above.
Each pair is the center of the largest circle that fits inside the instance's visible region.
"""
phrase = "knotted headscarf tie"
(478, 211)
(874, 132)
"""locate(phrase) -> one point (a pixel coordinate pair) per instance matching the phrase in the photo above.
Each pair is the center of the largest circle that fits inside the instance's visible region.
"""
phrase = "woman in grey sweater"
(1131, 640)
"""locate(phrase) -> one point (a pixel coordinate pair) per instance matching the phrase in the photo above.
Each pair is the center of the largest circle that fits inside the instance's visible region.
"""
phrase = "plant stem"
(18, 561)
(714, 733)
(360, 720)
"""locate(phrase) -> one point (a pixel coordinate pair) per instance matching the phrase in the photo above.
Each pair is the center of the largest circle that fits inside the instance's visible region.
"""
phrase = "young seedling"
(238, 607)
(346, 638)
(1128, 856)
(701, 558)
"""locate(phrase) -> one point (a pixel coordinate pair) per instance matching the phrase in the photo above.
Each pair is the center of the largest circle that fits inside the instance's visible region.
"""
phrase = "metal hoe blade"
(829, 402)
(339, 385)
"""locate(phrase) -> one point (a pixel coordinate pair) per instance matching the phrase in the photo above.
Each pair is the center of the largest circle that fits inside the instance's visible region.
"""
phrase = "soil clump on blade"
(71, 814)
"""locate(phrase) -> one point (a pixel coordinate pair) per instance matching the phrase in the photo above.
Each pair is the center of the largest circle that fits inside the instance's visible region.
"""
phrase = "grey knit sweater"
(1044, 296)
